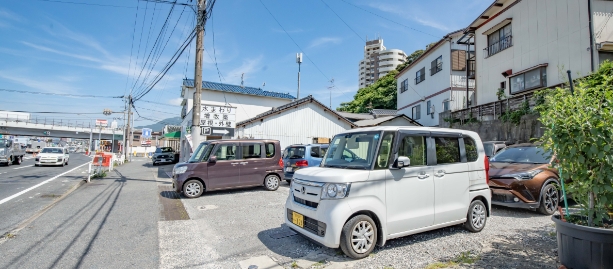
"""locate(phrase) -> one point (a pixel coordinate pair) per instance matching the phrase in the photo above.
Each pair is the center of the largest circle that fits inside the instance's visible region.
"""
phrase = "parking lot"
(238, 228)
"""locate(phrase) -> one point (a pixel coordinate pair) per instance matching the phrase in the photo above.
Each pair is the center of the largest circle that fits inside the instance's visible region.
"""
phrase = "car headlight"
(179, 170)
(524, 175)
(335, 190)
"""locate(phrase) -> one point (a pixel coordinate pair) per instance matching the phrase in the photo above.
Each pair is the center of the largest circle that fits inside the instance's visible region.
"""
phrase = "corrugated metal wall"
(173, 143)
(296, 125)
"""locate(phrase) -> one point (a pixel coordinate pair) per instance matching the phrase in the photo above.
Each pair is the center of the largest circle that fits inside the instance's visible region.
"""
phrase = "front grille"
(305, 202)
(162, 156)
(311, 225)
(502, 198)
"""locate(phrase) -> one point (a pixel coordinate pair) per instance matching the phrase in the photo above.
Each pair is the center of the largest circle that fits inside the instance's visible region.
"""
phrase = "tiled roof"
(377, 121)
(355, 116)
(214, 86)
(384, 112)
(294, 104)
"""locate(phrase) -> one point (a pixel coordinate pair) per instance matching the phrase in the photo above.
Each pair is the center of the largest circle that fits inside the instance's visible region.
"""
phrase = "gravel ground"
(240, 224)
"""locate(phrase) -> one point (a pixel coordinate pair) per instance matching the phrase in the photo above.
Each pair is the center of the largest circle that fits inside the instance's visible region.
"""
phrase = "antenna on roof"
(264, 84)
(330, 88)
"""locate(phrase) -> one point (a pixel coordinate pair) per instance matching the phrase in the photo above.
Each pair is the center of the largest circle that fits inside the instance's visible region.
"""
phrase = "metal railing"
(499, 46)
(436, 69)
(493, 110)
(419, 79)
(52, 122)
(472, 69)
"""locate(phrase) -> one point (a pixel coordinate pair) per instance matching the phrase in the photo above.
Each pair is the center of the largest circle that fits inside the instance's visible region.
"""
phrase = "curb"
(5, 237)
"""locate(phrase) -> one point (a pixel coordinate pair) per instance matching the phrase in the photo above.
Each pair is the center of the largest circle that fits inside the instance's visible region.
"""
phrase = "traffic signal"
(107, 112)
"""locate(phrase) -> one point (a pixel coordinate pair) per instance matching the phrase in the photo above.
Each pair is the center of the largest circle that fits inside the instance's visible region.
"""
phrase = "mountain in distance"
(157, 127)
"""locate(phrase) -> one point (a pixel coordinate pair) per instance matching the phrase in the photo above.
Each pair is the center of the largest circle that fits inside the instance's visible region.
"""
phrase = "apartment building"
(378, 62)
(525, 45)
(437, 81)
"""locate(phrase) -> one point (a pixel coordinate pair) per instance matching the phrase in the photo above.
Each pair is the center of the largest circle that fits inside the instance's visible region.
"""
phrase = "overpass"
(56, 128)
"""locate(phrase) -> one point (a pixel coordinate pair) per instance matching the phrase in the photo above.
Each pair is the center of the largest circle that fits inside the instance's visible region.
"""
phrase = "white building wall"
(295, 126)
(435, 88)
(552, 31)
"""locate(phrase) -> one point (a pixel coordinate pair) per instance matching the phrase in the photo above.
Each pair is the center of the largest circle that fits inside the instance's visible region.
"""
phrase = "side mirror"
(213, 159)
(403, 161)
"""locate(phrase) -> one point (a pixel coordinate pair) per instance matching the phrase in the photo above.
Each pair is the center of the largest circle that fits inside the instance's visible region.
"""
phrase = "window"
(270, 150)
(445, 105)
(532, 79)
(420, 75)
(383, 158)
(471, 149)
(226, 152)
(447, 150)
(428, 107)
(414, 147)
(499, 40)
(252, 151)
(404, 85)
(316, 152)
(294, 153)
(416, 112)
(436, 65)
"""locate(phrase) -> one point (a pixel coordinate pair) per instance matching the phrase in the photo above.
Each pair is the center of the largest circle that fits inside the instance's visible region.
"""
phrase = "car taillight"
(281, 163)
(302, 163)
(487, 170)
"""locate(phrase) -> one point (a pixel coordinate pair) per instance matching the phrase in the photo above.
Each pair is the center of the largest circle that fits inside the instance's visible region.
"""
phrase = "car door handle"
(234, 163)
(439, 173)
(422, 176)
(243, 163)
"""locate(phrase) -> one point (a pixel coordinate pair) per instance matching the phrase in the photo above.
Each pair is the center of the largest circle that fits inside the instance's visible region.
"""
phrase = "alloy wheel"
(478, 216)
(193, 189)
(551, 199)
(272, 182)
(362, 237)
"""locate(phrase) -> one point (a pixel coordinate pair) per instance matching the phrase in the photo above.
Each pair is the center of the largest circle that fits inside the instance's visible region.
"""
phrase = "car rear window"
(471, 149)
(295, 152)
(270, 150)
(447, 150)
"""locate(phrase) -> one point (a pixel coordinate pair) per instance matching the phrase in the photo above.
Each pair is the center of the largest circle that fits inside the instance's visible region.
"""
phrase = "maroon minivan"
(228, 164)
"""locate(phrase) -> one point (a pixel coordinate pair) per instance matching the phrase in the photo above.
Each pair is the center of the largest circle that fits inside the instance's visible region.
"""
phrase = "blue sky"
(54, 47)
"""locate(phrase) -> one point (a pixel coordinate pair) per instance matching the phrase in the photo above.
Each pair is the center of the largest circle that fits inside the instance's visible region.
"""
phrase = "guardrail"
(53, 122)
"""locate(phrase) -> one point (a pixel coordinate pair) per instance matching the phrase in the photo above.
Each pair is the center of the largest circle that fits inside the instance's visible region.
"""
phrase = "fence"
(493, 110)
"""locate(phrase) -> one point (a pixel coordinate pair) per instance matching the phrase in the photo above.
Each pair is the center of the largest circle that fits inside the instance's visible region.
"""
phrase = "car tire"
(63, 163)
(550, 199)
(271, 182)
(288, 181)
(367, 230)
(476, 217)
(10, 161)
(17, 161)
(193, 188)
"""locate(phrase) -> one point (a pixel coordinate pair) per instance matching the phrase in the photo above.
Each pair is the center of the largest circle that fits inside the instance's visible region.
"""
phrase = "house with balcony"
(439, 80)
(524, 46)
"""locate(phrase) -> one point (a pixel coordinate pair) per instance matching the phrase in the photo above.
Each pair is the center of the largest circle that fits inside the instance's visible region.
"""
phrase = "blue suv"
(302, 156)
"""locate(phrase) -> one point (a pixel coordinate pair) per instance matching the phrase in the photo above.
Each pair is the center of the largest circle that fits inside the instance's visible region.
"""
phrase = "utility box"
(321, 140)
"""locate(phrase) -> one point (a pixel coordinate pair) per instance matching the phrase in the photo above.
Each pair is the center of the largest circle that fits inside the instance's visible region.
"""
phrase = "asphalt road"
(26, 189)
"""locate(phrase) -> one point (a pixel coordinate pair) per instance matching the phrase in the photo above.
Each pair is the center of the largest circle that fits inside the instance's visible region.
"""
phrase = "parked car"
(10, 152)
(399, 181)
(163, 155)
(493, 147)
(52, 156)
(228, 164)
(301, 156)
(521, 176)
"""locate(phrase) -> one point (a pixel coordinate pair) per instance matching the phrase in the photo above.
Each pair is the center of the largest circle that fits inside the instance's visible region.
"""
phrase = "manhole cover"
(207, 207)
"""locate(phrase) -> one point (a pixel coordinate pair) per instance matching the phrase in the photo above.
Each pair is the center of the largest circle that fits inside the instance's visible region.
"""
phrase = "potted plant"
(579, 129)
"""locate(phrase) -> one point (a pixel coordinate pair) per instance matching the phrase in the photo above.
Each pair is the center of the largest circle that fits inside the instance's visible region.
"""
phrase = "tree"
(381, 94)
(411, 58)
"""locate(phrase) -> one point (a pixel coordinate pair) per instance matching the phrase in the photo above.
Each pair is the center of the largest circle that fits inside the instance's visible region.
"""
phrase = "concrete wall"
(496, 130)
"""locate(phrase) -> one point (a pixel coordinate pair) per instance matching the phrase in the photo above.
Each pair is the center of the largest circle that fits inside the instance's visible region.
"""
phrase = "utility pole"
(198, 73)
(299, 61)
(128, 145)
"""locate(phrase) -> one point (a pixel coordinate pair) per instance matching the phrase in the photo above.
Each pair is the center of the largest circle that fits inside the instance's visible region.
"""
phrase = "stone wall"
(496, 130)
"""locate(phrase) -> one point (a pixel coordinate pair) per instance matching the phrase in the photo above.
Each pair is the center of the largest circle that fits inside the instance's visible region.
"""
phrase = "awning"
(498, 26)
(176, 134)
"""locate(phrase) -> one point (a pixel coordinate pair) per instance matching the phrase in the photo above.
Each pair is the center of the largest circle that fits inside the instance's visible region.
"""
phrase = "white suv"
(381, 183)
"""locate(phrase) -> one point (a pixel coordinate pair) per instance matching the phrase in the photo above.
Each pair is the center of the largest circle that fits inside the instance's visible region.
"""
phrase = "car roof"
(306, 145)
(241, 140)
(411, 128)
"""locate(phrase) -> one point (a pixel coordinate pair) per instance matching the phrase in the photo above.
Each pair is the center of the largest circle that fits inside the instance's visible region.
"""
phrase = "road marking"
(23, 167)
(38, 185)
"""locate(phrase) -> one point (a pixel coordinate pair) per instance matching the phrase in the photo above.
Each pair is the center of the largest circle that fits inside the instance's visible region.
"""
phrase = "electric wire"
(290, 37)
(131, 47)
(147, 44)
(356, 33)
(409, 27)
(215, 52)
(156, 103)
(61, 94)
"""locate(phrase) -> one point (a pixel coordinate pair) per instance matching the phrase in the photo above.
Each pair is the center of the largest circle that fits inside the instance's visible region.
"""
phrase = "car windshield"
(2, 143)
(532, 154)
(52, 150)
(201, 153)
(489, 148)
(352, 151)
(163, 150)
(294, 153)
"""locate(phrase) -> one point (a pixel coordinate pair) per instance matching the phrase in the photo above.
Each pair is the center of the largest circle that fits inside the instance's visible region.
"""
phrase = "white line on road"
(38, 185)
(23, 167)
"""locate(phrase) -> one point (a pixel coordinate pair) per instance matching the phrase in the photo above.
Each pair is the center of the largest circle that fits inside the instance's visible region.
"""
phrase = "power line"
(131, 48)
(156, 103)
(60, 94)
(409, 27)
(356, 33)
(80, 3)
(53, 112)
(147, 43)
(214, 51)
(290, 37)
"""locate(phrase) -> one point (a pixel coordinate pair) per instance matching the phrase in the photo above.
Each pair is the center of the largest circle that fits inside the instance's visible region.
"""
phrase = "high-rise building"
(378, 61)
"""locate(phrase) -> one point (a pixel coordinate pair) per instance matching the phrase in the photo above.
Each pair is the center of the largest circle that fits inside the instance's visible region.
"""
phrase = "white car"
(52, 156)
(398, 181)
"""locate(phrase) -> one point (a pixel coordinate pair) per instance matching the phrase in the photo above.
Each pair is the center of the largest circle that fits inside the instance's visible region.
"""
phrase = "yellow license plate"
(298, 219)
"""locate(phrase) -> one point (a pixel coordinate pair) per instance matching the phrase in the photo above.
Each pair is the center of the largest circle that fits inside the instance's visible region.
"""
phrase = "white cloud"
(175, 101)
(51, 86)
(415, 13)
(248, 67)
(324, 40)
(432, 24)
